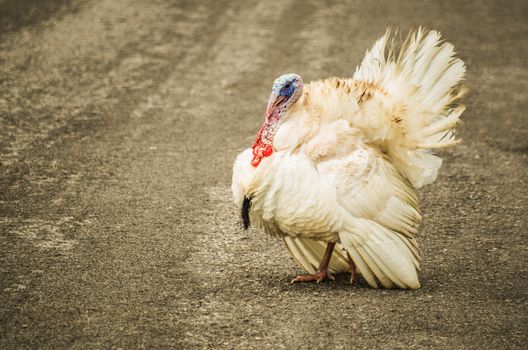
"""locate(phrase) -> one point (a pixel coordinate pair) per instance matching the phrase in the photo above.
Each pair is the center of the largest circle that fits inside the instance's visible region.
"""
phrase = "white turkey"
(334, 168)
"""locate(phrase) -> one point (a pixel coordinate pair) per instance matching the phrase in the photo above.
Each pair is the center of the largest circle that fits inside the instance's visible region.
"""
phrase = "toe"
(353, 277)
(322, 276)
(304, 278)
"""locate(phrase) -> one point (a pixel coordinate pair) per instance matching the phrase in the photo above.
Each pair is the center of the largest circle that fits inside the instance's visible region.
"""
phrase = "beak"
(274, 101)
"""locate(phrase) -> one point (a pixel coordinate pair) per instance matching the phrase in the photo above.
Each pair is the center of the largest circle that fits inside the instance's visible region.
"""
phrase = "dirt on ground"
(119, 123)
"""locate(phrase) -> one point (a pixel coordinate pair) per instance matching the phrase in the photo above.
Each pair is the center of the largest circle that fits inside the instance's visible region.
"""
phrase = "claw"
(319, 277)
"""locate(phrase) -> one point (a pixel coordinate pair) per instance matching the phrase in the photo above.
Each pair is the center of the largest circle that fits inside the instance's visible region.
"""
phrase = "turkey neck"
(263, 146)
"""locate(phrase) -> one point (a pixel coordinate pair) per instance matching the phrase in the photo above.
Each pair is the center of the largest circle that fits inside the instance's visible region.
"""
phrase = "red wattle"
(260, 151)
(267, 151)
(262, 146)
(256, 161)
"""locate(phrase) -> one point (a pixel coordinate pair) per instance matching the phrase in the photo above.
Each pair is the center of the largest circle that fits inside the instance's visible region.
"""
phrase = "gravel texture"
(119, 123)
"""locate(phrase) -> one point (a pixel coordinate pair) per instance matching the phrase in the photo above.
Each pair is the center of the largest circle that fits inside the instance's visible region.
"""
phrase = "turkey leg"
(322, 274)
(353, 273)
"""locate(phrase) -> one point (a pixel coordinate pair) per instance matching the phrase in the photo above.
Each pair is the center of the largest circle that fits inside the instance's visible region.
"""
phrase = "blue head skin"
(285, 92)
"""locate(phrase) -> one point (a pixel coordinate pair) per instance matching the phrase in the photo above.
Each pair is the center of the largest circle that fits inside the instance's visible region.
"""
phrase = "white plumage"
(347, 154)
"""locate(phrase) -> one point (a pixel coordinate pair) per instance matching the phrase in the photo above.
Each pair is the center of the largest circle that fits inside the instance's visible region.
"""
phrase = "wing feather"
(381, 220)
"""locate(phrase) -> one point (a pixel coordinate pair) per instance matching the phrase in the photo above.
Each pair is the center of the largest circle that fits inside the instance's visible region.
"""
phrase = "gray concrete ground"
(119, 123)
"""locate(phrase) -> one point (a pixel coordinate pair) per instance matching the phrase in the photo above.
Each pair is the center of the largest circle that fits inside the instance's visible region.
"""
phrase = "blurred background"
(119, 123)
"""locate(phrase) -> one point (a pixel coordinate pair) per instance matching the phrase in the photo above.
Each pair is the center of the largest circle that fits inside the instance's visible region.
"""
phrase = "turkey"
(336, 163)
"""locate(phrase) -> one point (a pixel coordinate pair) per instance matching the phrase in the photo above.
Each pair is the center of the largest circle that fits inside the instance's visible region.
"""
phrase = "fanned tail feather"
(423, 84)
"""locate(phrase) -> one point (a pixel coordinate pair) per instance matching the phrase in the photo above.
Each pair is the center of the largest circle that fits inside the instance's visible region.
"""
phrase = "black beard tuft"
(246, 206)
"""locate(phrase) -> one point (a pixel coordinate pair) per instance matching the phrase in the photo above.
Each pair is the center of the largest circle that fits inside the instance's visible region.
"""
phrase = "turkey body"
(348, 155)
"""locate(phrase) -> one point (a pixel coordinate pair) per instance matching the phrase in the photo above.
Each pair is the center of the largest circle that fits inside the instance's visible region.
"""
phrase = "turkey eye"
(287, 90)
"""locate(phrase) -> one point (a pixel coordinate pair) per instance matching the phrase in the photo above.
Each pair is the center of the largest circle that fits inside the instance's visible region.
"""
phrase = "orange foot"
(320, 276)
